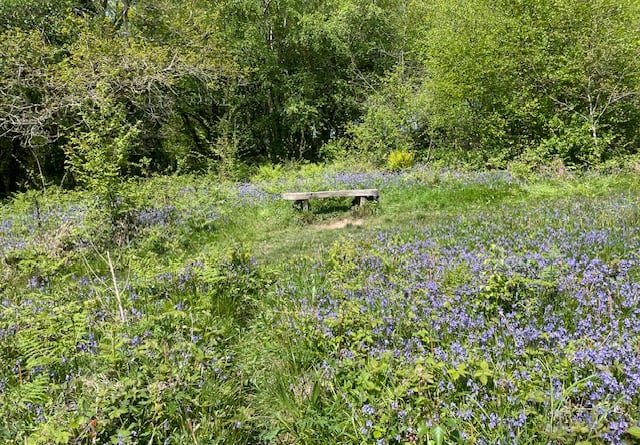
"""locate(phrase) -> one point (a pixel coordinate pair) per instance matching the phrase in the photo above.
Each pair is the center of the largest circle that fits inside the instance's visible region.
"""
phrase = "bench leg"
(302, 204)
(359, 201)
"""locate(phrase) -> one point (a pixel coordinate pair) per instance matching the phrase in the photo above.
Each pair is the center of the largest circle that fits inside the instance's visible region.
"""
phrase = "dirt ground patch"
(340, 224)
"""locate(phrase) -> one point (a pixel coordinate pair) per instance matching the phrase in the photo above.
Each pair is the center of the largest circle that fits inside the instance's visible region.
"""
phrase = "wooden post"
(301, 204)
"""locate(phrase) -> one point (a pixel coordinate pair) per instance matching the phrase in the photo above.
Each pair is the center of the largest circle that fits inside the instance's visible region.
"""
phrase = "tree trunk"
(125, 17)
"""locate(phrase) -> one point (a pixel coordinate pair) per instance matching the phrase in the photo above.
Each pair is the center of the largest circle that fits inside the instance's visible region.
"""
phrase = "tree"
(481, 107)
(145, 84)
(64, 101)
(44, 16)
(393, 116)
(538, 79)
(31, 109)
(591, 73)
(308, 66)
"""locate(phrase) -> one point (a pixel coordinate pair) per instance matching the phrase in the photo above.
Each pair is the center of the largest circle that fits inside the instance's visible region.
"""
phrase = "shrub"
(400, 160)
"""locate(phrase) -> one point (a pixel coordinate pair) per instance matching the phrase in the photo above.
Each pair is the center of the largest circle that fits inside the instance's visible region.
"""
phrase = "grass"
(402, 206)
(466, 308)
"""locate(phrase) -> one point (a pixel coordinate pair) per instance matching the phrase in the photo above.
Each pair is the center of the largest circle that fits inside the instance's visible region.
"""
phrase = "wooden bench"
(360, 196)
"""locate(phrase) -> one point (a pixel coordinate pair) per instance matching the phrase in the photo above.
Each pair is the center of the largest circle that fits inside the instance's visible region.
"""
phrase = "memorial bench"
(360, 197)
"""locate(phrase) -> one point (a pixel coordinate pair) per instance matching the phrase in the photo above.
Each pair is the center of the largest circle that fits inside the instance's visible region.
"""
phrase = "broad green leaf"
(634, 432)
(439, 434)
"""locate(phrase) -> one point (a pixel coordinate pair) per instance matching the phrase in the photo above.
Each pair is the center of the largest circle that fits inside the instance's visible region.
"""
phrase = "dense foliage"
(141, 86)
(471, 308)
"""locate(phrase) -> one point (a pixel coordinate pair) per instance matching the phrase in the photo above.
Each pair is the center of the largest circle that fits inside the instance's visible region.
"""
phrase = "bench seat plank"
(367, 193)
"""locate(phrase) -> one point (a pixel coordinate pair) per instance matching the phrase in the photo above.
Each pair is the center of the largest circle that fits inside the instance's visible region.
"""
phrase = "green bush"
(268, 172)
(400, 160)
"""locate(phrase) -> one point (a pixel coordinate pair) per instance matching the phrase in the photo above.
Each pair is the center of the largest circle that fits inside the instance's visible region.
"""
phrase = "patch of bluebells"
(419, 175)
(252, 194)
(548, 299)
(20, 230)
(528, 291)
(150, 217)
(191, 206)
(204, 205)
